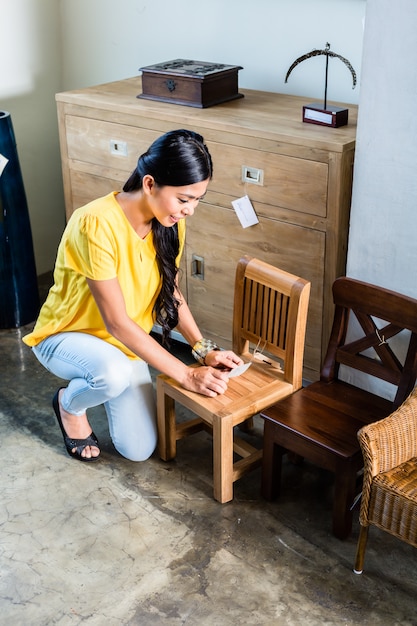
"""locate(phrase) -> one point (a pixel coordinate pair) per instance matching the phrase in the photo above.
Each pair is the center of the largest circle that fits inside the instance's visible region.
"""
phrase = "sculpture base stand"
(314, 113)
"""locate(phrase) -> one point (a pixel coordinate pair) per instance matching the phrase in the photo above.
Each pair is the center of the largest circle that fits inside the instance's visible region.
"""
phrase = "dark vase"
(19, 295)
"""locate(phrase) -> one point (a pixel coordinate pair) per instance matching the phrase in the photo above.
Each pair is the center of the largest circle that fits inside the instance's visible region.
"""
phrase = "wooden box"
(192, 83)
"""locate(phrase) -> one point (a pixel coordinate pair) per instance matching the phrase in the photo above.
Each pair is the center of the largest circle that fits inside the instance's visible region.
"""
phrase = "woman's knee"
(136, 452)
(116, 377)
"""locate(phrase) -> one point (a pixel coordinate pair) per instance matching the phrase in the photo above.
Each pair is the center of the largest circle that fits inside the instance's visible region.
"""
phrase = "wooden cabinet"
(302, 204)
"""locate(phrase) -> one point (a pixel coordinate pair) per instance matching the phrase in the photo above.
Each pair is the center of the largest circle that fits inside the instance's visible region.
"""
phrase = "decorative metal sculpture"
(340, 115)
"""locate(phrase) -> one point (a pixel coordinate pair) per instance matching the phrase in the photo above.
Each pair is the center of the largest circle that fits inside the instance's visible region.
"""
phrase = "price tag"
(237, 371)
(245, 211)
(3, 163)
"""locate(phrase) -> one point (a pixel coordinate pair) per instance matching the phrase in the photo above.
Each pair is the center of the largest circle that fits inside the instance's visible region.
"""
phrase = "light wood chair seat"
(389, 494)
(270, 310)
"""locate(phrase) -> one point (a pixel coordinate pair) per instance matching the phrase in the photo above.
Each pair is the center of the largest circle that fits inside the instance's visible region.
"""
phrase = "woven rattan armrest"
(391, 441)
(386, 444)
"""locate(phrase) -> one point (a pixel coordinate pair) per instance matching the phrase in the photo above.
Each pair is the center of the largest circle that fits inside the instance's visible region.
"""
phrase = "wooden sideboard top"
(273, 116)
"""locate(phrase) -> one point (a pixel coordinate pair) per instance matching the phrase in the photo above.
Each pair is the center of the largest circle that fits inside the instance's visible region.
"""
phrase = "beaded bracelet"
(201, 348)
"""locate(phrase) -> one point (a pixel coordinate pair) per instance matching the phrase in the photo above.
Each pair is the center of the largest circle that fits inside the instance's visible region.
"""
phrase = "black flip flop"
(70, 443)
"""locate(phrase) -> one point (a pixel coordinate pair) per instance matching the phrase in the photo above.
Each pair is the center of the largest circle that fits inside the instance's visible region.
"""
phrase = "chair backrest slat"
(270, 312)
(381, 315)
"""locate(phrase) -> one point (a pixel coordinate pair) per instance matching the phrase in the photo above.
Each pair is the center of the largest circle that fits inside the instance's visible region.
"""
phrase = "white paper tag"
(237, 371)
(318, 116)
(3, 162)
(245, 211)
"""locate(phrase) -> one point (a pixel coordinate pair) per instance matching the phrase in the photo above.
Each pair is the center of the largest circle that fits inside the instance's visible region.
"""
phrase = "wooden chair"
(389, 494)
(270, 311)
(320, 422)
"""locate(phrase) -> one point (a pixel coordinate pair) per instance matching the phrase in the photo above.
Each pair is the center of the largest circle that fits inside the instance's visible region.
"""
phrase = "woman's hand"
(212, 380)
(206, 380)
(223, 359)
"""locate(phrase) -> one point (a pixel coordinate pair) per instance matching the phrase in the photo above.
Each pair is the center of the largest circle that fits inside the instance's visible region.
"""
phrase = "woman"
(116, 274)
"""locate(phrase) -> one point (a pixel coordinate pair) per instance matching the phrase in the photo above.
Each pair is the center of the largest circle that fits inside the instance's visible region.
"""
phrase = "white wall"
(30, 67)
(105, 40)
(383, 232)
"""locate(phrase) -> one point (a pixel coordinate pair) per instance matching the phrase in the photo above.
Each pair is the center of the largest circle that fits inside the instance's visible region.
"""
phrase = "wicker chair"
(389, 496)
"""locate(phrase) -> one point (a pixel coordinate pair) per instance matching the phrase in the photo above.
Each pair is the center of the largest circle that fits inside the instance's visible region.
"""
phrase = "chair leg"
(344, 493)
(271, 466)
(247, 425)
(223, 459)
(360, 549)
(167, 441)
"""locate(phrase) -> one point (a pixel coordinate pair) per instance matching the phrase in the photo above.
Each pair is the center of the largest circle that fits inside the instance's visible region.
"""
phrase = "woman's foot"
(80, 441)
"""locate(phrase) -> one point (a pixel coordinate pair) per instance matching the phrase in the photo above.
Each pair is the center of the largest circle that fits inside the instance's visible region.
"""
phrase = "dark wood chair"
(270, 311)
(320, 422)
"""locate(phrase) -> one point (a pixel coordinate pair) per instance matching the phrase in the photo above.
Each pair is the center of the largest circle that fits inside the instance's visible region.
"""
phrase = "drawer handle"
(171, 84)
(197, 266)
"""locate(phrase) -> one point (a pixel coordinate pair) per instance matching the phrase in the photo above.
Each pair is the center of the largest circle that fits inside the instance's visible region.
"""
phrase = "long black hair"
(178, 158)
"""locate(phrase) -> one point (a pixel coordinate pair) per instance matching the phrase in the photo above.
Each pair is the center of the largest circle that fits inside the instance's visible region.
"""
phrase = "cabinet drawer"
(86, 187)
(215, 235)
(89, 140)
(288, 182)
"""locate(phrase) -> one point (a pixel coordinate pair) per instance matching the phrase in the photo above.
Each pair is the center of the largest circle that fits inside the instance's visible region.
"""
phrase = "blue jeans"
(100, 373)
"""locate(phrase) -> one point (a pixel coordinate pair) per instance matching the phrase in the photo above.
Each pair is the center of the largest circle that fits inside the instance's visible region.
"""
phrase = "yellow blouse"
(99, 243)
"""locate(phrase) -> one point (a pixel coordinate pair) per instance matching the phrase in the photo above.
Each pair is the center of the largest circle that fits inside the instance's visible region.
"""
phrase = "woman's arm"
(110, 301)
(189, 330)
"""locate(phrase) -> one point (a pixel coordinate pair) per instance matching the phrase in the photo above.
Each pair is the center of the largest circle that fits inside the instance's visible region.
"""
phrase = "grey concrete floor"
(117, 542)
